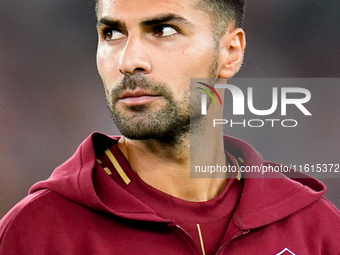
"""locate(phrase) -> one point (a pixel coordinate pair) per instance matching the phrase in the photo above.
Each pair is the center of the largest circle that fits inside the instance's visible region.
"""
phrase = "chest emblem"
(285, 251)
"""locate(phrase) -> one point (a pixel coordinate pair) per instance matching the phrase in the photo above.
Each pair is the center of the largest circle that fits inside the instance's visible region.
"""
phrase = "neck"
(166, 167)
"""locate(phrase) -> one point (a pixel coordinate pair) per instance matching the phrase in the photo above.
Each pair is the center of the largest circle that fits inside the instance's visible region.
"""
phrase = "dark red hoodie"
(75, 212)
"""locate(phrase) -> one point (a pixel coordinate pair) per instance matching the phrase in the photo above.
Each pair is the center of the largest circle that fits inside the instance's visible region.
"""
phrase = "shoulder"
(17, 223)
(35, 221)
(320, 221)
(20, 209)
(323, 213)
(41, 206)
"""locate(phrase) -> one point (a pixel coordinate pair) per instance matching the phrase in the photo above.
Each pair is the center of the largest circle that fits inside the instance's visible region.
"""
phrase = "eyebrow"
(165, 18)
(153, 21)
(110, 23)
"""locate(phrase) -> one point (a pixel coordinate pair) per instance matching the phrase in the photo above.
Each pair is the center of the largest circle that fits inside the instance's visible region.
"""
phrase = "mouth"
(137, 97)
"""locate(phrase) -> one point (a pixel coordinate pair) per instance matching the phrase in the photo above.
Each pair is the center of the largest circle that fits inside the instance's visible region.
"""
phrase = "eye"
(110, 34)
(165, 31)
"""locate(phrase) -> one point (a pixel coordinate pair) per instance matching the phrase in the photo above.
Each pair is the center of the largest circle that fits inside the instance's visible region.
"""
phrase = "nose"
(134, 57)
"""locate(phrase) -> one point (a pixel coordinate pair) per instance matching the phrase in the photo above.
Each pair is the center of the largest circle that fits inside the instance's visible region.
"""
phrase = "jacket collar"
(263, 201)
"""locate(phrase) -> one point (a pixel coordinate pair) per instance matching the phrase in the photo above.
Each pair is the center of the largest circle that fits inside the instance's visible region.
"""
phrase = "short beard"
(168, 125)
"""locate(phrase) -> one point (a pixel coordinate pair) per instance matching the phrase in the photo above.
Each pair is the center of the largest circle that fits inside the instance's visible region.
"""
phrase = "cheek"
(178, 65)
(202, 56)
(107, 65)
(193, 61)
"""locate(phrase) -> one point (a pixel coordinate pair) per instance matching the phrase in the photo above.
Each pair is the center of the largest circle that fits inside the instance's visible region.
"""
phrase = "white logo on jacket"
(285, 251)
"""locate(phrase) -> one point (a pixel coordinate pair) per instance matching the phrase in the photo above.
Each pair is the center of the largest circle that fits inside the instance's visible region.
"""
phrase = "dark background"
(51, 96)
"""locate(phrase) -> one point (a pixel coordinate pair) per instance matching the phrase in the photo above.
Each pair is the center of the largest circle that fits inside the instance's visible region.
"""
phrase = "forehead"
(135, 10)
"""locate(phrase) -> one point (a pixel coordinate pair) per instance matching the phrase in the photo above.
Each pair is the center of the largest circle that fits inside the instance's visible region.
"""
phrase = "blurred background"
(51, 97)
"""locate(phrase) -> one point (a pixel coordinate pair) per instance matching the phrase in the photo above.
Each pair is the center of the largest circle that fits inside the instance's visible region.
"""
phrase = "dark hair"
(222, 12)
(228, 10)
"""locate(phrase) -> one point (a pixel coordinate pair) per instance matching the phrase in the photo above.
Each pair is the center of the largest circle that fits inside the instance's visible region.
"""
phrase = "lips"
(137, 97)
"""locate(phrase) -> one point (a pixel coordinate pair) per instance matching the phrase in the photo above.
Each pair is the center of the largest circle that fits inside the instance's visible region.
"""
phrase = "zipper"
(202, 252)
(191, 239)
(233, 238)
(201, 238)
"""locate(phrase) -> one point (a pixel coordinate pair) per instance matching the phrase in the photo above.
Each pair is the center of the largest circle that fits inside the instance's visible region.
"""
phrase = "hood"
(263, 201)
(270, 197)
(74, 181)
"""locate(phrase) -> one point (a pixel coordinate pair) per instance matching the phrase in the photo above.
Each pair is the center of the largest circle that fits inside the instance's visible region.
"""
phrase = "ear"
(232, 46)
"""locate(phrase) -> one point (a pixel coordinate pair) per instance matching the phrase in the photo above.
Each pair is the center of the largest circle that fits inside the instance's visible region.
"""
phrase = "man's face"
(147, 52)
